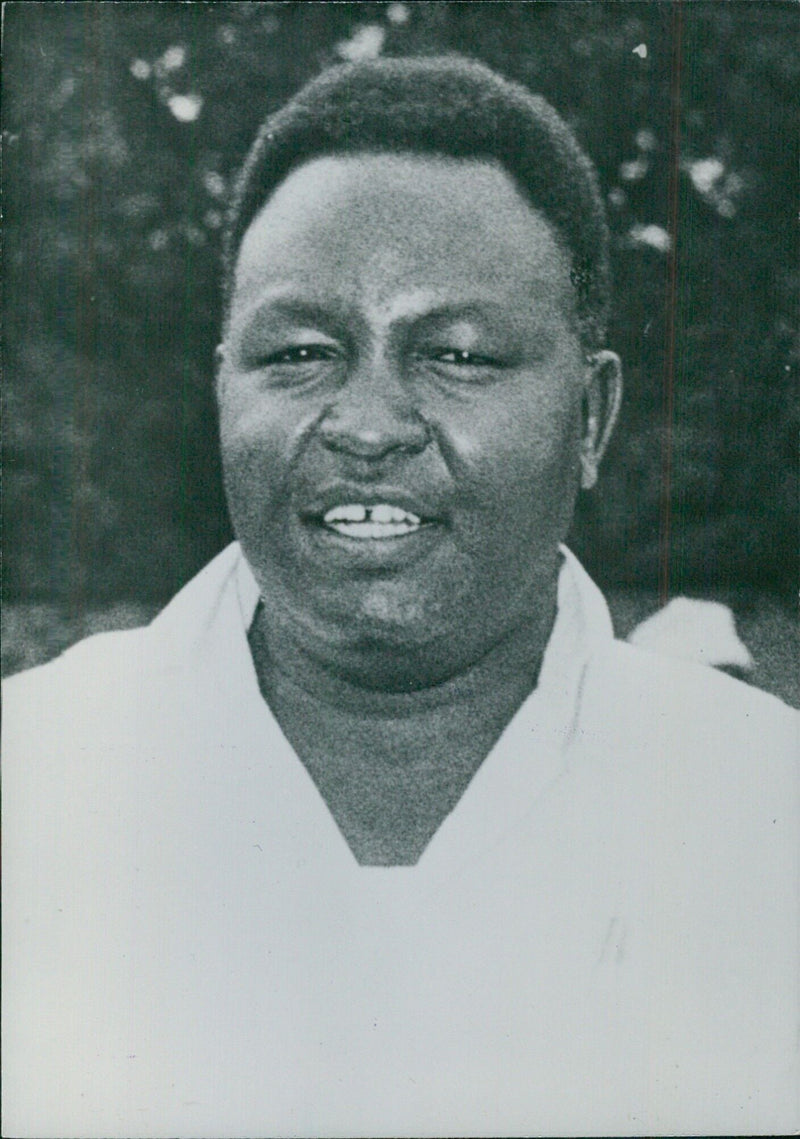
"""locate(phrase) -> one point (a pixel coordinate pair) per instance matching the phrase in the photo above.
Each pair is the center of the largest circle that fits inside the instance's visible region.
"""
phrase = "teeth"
(350, 513)
(383, 512)
(372, 530)
(353, 520)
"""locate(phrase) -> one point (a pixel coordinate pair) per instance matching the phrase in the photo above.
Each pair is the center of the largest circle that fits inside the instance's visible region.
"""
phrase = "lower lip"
(372, 553)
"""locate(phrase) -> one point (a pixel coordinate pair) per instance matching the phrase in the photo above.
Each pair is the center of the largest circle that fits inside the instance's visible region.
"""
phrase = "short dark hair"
(448, 106)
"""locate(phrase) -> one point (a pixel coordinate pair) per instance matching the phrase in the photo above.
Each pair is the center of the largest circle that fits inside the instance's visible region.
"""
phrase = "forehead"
(368, 226)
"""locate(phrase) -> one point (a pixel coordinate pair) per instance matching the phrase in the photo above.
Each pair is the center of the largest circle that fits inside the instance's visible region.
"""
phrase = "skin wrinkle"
(393, 679)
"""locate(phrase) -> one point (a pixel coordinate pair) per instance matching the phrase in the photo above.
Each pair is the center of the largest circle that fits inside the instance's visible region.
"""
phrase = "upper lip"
(345, 493)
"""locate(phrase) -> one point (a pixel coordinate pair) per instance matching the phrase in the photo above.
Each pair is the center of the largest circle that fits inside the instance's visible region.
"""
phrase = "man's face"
(401, 390)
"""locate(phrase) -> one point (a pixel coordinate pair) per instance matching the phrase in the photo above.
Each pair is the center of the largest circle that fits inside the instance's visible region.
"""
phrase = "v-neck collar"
(529, 756)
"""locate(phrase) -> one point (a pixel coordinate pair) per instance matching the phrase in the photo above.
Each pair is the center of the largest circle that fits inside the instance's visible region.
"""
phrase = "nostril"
(362, 441)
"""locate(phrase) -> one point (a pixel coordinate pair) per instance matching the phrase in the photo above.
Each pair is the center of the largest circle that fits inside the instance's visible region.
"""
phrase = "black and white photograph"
(400, 655)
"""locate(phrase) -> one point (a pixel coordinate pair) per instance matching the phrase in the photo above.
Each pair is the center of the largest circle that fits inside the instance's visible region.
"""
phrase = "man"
(376, 830)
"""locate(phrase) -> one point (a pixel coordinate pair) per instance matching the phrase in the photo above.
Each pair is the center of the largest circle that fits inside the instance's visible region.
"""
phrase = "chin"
(390, 637)
(388, 618)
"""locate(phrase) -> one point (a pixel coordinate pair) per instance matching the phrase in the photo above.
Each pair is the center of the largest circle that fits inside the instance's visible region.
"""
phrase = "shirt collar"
(217, 607)
(208, 623)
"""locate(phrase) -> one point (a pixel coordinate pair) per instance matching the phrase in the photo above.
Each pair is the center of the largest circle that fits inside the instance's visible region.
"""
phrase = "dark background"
(123, 126)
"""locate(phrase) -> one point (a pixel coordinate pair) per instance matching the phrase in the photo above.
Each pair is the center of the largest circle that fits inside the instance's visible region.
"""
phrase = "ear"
(602, 398)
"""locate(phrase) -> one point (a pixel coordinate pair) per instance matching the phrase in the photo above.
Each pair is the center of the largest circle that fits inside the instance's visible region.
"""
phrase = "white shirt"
(601, 938)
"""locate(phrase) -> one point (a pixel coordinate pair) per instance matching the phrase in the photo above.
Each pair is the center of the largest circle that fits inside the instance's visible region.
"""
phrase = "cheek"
(256, 442)
(522, 459)
(520, 473)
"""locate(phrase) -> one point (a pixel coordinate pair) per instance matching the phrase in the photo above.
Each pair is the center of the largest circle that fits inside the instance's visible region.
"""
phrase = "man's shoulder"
(659, 679)
(696, 777)
(111, 686)
(104, 666)
(97, 667)
(647, 703)
(60, 716)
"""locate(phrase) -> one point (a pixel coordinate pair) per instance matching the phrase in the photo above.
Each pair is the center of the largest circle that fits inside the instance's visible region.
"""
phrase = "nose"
(374, 415)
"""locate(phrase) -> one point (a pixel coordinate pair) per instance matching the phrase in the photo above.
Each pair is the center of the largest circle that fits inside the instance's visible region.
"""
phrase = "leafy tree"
(124, 123)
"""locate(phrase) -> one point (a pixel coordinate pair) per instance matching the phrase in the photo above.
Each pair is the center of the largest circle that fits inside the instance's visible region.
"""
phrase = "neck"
(392, 761)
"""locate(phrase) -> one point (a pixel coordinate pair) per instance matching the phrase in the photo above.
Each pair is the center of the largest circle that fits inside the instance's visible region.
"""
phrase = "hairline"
(379, 107)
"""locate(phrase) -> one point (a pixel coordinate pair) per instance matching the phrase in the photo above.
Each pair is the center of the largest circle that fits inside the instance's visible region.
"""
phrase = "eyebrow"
(306, 310)
(291, 307)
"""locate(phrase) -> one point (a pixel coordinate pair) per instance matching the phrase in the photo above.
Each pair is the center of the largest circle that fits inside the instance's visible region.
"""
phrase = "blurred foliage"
(124, 123)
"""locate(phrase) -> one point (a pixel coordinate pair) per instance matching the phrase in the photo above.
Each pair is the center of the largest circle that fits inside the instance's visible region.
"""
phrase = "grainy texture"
(124, 125)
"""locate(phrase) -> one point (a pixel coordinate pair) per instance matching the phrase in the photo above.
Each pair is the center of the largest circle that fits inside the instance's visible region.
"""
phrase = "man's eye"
(300, 354)
(465, 359)
(460, 366)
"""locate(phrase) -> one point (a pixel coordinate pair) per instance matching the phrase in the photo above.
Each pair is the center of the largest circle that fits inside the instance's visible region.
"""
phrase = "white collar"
(207, 625)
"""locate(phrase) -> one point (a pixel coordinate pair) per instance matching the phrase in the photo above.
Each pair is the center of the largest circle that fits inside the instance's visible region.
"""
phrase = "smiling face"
(402, 392)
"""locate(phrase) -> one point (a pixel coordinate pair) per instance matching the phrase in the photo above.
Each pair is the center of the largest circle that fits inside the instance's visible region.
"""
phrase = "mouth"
(371, 514)
(374, 529)
(374, 522)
